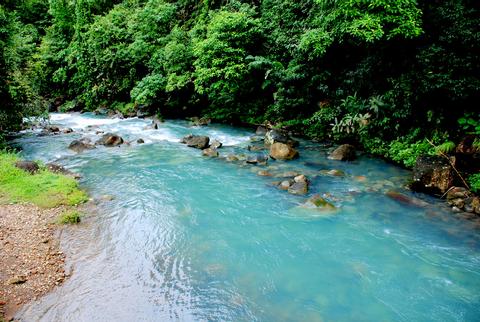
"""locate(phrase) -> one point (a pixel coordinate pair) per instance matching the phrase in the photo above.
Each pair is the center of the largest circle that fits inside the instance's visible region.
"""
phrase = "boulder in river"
(345, 152)
(210, 152)
(231, 158)
(299, 188)
(140, 141)
(432, 174)
(279, 136)
(215, 144)
(282, 151)
(67, 130)
(28, 166)
(81, 145)
(196, 141)
(259, 158)
(110, 140)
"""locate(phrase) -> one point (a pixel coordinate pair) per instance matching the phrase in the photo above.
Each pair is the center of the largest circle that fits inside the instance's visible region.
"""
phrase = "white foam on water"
(77, 121)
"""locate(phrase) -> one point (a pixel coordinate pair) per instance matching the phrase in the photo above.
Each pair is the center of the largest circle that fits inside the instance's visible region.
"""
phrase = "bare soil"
(31, 263)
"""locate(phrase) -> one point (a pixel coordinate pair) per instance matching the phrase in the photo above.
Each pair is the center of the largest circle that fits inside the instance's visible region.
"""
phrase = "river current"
(181, 237)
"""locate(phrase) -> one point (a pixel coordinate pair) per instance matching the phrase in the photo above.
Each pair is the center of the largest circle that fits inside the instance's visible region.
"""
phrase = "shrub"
(69, 217)
(474, 182)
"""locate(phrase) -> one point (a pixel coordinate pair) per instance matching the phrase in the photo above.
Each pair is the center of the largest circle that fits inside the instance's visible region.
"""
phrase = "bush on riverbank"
(44, 188)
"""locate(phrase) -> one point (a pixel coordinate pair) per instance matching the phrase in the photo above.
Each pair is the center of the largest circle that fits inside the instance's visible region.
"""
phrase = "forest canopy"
(387, 75)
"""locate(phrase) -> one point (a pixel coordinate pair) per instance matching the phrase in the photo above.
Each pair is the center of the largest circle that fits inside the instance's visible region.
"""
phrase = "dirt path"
(31, 263)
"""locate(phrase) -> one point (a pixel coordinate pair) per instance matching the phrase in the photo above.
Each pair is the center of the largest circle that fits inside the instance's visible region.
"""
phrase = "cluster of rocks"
(108, 140)
(209, 149)
(436, 175)
(54, 130)
(33, 167)
(463, 200)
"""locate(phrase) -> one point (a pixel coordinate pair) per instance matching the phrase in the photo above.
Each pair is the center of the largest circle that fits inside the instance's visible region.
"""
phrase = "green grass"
(69, 217)
(44, 189)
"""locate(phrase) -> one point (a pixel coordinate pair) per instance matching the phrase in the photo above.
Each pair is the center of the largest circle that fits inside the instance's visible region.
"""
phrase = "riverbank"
(32, 261)
(34, 201)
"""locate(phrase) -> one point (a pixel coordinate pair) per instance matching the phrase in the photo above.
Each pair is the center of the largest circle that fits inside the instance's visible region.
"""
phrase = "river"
(190, 238)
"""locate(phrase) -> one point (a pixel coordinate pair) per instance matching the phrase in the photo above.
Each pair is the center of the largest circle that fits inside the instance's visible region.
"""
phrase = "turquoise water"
(188, 238)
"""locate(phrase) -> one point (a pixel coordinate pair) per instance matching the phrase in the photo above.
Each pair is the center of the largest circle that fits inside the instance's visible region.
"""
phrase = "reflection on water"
(195, 239)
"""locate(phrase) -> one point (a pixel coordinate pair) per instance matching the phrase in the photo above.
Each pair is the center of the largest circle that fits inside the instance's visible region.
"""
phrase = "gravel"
(31, 261)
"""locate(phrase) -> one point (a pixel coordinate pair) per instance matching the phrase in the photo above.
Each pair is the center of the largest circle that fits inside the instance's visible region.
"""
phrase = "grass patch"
(69, 217)
(45, 189)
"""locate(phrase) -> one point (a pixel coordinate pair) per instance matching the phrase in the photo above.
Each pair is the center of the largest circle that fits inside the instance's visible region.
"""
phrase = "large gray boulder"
(196, 141)
(345, 152)
(81, 145)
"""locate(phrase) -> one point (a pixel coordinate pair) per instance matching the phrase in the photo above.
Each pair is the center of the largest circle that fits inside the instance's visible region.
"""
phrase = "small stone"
(210, 152)
(20, 279)
(232, 158)
(264, 173)
(284, 185)
(140, 141)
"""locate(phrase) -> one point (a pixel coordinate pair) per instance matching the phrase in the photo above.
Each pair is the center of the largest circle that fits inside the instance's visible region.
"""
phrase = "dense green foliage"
(45, 189)
(388, 75)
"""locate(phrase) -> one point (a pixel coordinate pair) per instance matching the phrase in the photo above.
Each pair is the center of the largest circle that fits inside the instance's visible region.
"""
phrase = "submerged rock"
(231, 158)
(28, 166)
(345, 152)
(210, 152)
(264, 173)
(81, 145)
(401, 198)
(196, 141)
(299, 188)
(282, 151)
(432, 174)
(110, 140)
(318, 202)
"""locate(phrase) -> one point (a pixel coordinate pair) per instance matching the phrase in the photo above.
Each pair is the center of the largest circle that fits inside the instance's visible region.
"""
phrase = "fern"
(445, 148)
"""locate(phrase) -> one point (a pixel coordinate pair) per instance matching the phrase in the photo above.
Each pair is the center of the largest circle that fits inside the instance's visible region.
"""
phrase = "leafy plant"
(69, 217)
(474, 182)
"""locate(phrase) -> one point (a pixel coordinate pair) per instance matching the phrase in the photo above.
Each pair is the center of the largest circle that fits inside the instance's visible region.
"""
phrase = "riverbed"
(182, 237)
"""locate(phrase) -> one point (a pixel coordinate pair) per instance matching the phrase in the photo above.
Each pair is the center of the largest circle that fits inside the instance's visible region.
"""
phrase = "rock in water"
(196, 141)
(345, 152)
(81, 145)
(28, 166)
(140, 141)
(317, 202)
(216, 144)
(210, 152)
(401, 198)
(282, 151)
(257, 159)
(432, 174)
(273, 136)
(299, 188)
(110, 140)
